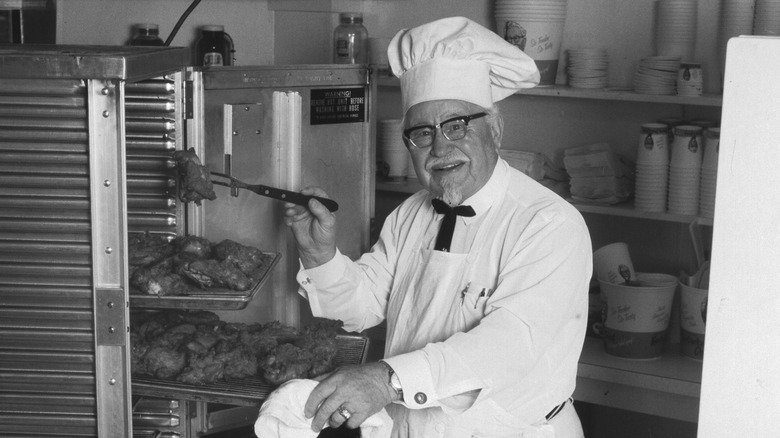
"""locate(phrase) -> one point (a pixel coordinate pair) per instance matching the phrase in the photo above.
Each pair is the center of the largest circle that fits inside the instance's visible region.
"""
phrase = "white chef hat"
(456, 58)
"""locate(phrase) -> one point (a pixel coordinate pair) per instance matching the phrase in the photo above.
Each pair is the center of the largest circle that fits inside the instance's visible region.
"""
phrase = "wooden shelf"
(622, 210)
(611, 94)
(668, 386)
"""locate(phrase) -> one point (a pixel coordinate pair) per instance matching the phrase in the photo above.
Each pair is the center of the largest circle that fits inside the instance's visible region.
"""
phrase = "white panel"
(741, 382)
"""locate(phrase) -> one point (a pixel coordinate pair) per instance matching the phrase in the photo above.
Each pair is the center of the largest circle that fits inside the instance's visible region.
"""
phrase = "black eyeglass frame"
(465, 119)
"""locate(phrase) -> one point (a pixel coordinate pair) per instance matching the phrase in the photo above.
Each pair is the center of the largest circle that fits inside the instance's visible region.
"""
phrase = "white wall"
(625, 28)
(109, 22)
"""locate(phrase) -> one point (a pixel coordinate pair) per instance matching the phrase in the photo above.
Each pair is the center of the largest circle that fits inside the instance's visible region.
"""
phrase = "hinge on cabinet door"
(110, 326)
(188, 104)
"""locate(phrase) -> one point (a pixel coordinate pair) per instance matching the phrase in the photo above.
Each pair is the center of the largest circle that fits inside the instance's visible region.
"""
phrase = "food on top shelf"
(196, 347)
(162, 267)
(194, 178)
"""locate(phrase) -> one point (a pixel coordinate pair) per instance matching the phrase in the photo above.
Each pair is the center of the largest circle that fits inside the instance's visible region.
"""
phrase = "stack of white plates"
(736, 18)
(675, 30)
(685, 170)
(709, 173)
(392, 156)
(767, 18)
(657, 75)
(587, 68)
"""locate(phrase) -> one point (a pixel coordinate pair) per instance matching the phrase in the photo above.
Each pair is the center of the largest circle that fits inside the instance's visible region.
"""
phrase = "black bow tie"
(444, 238)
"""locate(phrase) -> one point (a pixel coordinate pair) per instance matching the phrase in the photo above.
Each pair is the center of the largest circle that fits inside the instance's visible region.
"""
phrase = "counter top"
(668, 386)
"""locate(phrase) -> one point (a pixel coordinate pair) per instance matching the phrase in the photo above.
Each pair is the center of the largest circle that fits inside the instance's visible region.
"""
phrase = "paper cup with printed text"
(612, 263)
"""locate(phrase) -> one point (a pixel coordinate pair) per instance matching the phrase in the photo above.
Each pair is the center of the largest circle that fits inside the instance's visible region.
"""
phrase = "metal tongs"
(272, 192)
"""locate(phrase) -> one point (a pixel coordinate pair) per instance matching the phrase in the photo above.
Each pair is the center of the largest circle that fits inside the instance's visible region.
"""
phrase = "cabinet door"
(741, 385)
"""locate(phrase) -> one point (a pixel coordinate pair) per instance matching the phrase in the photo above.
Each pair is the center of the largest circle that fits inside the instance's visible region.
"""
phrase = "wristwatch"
(394, 381)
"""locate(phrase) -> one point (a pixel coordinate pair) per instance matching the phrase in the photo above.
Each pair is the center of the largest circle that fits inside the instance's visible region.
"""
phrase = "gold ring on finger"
(344, 412)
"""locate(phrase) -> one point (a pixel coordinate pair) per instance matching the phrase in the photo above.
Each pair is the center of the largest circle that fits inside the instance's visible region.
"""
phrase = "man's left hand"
(362, 390)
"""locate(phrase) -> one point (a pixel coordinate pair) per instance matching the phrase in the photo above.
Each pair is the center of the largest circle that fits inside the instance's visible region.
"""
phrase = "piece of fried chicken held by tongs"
(194, 178)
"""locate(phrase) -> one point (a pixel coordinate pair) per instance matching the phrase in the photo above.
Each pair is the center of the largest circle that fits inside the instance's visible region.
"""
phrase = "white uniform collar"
(489, 193)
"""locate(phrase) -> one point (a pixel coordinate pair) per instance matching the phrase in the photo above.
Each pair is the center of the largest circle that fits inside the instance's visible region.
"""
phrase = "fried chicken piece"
(163, 362)
(197, 246)
(239, 360)
(194, 179)
(159, 279)
(213, 273)
(202, 369)
(144, 249)
(286, 362)
(263, 338)
(138, 349)
(320, 339)
(246, 258)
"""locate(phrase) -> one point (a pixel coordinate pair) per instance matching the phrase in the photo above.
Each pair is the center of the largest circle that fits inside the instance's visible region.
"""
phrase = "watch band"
(394, 381)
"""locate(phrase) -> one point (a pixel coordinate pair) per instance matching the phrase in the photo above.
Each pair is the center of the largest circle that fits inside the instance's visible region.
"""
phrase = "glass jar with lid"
(350, 40)
(146, 34)
(214, 47)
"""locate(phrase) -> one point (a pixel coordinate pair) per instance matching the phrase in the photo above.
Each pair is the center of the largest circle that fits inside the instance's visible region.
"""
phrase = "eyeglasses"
(453, 129)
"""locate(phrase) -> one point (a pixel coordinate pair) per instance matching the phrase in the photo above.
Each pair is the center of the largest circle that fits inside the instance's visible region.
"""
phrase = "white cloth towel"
(281, 415)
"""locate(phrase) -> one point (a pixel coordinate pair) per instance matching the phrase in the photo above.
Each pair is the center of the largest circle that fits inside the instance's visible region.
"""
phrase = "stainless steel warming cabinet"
(87, 136)
(69, 194)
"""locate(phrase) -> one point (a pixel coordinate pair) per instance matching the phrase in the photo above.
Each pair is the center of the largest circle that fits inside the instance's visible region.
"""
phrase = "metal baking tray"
(351, 350)
(208, 299)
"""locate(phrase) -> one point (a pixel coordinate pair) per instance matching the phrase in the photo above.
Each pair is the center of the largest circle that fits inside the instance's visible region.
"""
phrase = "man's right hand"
(314, 229)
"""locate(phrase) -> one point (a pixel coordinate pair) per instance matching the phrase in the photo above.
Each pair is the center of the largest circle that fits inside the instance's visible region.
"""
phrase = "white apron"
(426, 305)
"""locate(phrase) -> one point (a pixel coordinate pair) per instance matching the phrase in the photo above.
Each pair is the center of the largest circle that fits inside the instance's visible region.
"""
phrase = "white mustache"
(449, 159)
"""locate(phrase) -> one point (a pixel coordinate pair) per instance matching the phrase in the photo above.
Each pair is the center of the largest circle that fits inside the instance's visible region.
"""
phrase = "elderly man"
(482, 277)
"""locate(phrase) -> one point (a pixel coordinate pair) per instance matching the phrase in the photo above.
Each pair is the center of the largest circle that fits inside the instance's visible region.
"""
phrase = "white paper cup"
(653, 146)
(687, 147)
(693, 320)
(636, 318)
(612, 263)
(711, 148)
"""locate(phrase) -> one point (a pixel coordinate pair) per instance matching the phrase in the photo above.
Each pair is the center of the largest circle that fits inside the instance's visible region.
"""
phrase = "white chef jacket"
(523, 335)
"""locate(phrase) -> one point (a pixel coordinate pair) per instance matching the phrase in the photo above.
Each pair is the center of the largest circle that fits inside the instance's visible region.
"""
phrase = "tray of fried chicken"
(194, 273)
(193, 355)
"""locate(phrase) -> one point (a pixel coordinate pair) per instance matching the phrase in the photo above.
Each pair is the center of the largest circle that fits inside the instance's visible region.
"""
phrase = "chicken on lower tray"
(196, 347)
(169, 268)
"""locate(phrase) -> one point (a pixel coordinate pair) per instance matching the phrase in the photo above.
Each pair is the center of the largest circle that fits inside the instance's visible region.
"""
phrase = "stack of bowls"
(536, 27)
(652, 168)
(392, 154)
(657, 75)
(587, 68)
(685, 171)
(709, 173)
(675, 30)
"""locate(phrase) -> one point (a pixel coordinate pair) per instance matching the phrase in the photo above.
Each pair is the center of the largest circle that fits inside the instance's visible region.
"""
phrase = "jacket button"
(420, 398)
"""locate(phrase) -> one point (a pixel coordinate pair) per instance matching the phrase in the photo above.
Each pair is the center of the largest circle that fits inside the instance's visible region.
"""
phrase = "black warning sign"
(338, 105)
